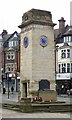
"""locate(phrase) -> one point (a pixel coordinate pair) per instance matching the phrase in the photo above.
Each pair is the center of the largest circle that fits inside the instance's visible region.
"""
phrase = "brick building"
(10, 58)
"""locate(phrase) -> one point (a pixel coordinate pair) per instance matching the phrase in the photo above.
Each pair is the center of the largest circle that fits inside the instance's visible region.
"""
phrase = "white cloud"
(11, 11)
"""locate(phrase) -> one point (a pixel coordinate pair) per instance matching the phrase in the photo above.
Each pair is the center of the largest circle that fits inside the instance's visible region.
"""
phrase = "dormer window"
(13, 43)
(67, 39)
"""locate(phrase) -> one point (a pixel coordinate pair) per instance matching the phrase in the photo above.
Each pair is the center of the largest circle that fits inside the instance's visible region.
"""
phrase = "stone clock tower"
(37, 67)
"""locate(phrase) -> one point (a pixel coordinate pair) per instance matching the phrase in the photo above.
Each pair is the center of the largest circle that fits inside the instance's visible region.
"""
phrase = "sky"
(11, 11)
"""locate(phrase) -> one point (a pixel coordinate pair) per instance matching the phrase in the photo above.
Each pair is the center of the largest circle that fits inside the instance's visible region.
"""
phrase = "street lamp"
(56, 64)
(8, 77)
(16, 77)
(8, 83)
(2, 77)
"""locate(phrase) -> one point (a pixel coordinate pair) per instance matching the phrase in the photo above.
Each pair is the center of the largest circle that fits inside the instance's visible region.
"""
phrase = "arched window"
(63, 53)
(68, 53)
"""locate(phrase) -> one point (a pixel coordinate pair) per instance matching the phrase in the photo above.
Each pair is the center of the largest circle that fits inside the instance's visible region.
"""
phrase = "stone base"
(48, 95)
(25, 100)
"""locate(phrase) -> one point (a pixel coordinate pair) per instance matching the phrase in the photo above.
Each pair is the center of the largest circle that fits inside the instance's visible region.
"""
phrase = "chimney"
(4, 33)
(61, 25)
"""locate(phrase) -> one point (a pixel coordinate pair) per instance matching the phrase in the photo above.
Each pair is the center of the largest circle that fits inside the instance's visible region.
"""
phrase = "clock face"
(43, 41)
(26, 42)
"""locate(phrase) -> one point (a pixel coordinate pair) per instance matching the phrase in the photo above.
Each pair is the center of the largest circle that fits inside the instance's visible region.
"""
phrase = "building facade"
(63, 57)
(37, 67)
(0, 61)
(10, 59)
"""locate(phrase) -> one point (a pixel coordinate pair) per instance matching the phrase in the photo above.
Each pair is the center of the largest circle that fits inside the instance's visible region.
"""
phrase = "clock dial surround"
(26, 42)
(43, 41)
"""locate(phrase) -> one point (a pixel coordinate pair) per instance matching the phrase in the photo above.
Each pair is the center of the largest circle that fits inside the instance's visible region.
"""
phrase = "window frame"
(68, 67)
(63, 54)
(68, 53)
(9, 56)
(63, 67)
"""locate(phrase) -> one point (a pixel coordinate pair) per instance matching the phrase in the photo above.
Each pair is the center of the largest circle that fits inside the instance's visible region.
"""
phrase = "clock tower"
(37, 67)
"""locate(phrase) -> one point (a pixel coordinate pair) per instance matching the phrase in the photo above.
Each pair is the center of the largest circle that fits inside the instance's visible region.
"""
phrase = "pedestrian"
(12, 89)
(62, 89)
(4, 90)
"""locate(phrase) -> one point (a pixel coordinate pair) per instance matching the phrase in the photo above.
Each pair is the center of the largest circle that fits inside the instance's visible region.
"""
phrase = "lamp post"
(2, 77)
(7, 77)
(16, 79)
(8, 83)
(56, 66)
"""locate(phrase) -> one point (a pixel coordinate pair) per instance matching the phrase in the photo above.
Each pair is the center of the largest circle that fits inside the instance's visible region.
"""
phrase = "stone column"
(22, 90)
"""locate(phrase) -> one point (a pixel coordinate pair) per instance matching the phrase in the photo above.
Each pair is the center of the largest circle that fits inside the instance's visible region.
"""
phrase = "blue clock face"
(43, 41)
(26, 42)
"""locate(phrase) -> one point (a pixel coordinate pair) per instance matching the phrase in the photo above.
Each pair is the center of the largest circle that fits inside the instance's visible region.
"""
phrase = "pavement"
(14, 97)
(4, 113)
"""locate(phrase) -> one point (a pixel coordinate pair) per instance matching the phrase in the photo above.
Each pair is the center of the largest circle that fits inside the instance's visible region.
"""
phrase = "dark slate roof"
(6, 37)
(3, 39)
(59, 36)
(13, 35)
(10, 36)
(68, 32)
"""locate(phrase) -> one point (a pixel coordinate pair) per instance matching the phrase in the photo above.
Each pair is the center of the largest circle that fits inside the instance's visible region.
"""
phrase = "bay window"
(64, 68)
(68, 67)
